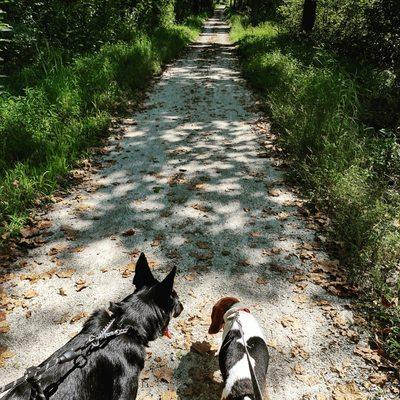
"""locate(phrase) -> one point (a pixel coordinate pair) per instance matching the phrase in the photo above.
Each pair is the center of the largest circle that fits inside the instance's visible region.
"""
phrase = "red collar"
(244, 309)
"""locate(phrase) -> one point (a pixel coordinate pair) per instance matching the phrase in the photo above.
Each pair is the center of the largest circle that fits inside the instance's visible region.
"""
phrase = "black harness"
(78, 355)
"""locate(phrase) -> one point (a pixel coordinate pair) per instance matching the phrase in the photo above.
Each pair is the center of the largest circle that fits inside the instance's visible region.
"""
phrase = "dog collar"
(234, 310)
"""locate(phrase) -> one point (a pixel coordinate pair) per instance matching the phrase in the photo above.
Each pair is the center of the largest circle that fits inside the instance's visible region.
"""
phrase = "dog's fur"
(232, 356)
(112, 371)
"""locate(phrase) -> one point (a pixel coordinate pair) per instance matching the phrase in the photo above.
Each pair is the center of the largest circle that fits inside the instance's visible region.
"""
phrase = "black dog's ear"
(164, 289)
(143, 275)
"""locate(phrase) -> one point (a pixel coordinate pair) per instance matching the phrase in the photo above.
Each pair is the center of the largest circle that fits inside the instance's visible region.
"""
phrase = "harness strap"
(34, 374)
(256, 386)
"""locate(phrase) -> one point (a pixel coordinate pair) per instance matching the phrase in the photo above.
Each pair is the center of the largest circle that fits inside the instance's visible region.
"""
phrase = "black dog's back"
(111, 370)
(100, 376)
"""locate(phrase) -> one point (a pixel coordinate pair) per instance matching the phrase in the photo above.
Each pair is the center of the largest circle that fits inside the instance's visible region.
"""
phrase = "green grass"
(321, 104)
(54, 111)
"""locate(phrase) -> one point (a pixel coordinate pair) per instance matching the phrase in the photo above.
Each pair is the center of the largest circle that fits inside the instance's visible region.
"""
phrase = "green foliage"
(68, 109)
(150, 13)
(81, 26)
(318, 101)
(186, 8)
(369, 28)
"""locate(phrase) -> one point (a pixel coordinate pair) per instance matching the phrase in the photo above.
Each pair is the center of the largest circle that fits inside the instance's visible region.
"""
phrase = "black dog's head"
(152, 304)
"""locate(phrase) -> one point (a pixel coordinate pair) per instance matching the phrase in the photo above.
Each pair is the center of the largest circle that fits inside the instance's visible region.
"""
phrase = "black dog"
(112, 370)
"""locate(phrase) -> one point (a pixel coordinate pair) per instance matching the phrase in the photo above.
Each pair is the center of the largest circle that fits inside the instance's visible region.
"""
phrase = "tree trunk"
(309, 14)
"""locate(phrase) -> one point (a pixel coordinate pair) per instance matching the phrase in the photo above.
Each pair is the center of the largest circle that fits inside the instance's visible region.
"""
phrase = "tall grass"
(54, 111)
(318, 101)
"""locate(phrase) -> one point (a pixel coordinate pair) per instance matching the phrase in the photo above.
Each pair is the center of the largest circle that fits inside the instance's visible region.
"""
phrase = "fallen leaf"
(290, 321)
(202, 245)
(202, 348)
(190, 277)
(4, 355)
(78, 317)
(309, 380)
(129, 232)
(378, 379)
(80, 284)
(44, 224)
(298, 369)
(282, 216)
(164, 373)
(30, 294)
(201, 207)
(70, 233)
(128, 270)
(157, 240)
(4, 327)
(59, 248)
(274, 192)
(66, 273)
(299, 351)
(256, 234)
(261, 281)
(78, 249)
(169, 395)
(348, 391)
(368, 354)
(29, 232)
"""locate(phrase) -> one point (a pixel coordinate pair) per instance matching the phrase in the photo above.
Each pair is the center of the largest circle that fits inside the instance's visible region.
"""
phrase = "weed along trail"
(192, 181)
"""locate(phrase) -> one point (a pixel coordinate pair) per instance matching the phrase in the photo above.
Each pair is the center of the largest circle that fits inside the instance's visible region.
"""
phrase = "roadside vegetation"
(69, 67)
(333, 93)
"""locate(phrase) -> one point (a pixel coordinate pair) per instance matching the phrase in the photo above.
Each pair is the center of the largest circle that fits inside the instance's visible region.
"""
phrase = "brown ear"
(218, 311)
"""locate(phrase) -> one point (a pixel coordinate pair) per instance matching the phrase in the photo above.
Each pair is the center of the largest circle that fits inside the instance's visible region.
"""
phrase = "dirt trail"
(189, 184)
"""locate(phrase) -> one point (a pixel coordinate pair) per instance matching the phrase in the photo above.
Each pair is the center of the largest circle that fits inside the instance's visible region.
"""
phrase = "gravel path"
(189, 184)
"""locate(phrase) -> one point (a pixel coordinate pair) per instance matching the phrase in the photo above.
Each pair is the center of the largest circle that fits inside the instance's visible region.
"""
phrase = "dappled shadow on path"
(190, 185)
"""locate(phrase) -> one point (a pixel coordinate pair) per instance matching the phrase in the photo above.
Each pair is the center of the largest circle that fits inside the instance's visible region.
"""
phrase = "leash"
(79, 355)
(256, 386)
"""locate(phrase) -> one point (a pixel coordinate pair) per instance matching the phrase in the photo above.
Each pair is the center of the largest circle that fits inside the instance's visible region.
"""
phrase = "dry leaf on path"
(274, 192)
(169, 395)
(298, 351)
(30, 294)
(202, 348)
(289, 321)
(44, 224)
(70, 233)
(367, 354)
(128, 270)
(164, 374)
(58, 248)
(80, 284)
(4, 327)
(4, 355)
(78, 249)
(129, 232)
(202, 245)
(66, 273)
(78, 317)
(348, 391)
(309, 380)
(256, 234)
(261, 281)
(378, 379)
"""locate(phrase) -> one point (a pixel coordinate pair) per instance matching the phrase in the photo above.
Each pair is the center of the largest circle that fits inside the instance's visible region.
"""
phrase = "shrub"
(318, 101)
